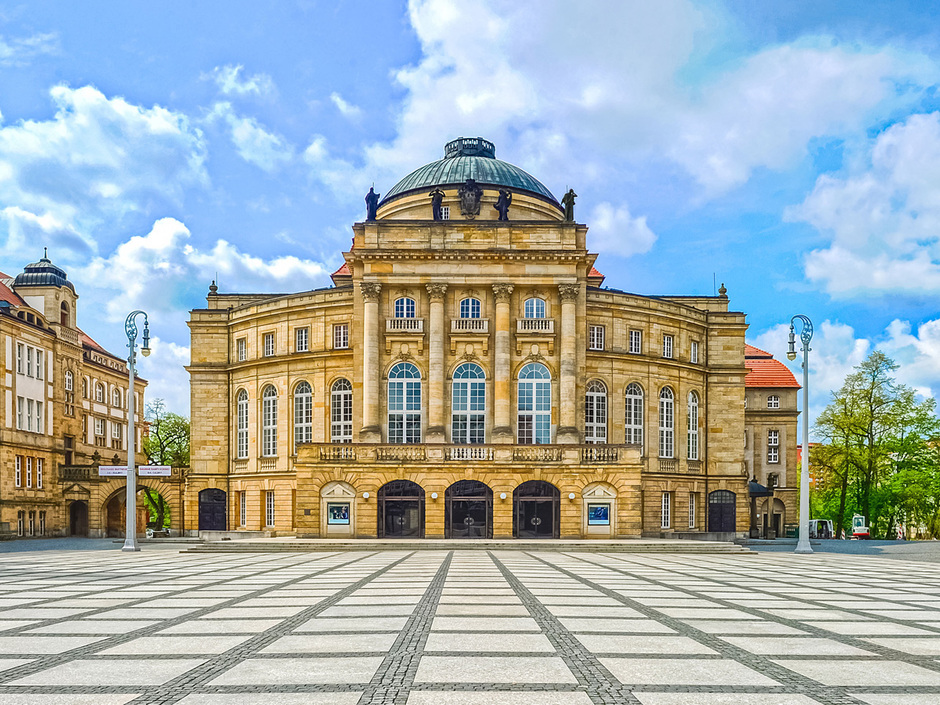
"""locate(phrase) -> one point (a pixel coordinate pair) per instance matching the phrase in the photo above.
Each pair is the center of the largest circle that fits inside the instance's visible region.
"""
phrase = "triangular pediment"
(599, 492)
(76, 491)
(338, 490)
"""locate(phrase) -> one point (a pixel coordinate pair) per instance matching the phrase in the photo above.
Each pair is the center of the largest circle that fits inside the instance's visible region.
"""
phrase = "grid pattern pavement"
(466, 628)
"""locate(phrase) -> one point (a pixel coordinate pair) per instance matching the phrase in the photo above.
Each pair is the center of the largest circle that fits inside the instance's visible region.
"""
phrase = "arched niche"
(599, 511)
(337, 510)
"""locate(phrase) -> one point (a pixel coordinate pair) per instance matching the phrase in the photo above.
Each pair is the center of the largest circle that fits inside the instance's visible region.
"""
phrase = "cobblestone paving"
(467, 628)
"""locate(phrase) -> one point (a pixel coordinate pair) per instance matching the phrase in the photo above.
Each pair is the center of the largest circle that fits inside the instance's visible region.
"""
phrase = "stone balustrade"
(535, 325)
(469, 325)
(404, 325)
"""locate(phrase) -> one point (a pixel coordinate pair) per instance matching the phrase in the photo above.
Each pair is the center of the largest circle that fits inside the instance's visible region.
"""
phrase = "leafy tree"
(167, 443)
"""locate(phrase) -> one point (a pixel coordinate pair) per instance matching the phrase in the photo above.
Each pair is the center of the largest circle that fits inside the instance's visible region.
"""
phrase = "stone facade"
(479, 367)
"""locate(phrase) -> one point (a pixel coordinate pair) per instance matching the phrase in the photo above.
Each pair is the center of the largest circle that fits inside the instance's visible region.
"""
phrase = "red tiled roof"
(750, 352)
(7, 294)
(342, 271)
(767, 372)
(595, 273)
(89, 342)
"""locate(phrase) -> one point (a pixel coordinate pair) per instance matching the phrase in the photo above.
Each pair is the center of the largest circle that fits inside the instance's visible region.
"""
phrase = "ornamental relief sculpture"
(502, 292)
(569, 292)
(437, 291)
(370, 291)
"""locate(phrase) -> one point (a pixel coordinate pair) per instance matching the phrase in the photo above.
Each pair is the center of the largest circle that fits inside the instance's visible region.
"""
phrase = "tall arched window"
(69, 381)
(595, 413)
(534, 308)
(241, 403)
(269, 421)
(404, 404)
(116, 397)
(99, 392)
(303, 414)
(667, 420)
(404, 307)
(468, 420)
(341, 401)
(470, 308)
(535, 404)
(633, 415)
(64, 314)
(693, 426)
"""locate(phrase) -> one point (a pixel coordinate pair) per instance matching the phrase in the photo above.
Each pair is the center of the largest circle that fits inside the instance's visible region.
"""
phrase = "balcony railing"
(469, 325)
(400, 452)
(694, 466)
(404, 325)
(535, 325)
(668, 465)
(268, 464)
(599, 453)
(469, 453)
(537, 453)
(68, 335)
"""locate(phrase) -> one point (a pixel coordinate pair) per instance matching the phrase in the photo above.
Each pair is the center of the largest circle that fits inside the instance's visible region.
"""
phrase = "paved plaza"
(468, 627)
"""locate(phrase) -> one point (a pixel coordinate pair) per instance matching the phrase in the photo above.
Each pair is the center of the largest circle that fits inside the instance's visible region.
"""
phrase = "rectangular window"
(596, 338)
(20, 359)
(29, 414)
(99, 427)
(20, 413)
(42, 523)
(39, 424)
(32, 523)
(269, 508)
(29, 361)
(692, 502)
(667, 346)
(268, 344)
(636, 342)
(301, 343)
(116, 431)
(20, 523)
(445, 212)
(243, 509)
(693, 354)
(666, 511)
(39, 473)
(39, 364)
(242, 347)
(29, 472)
(341, 336)
(18, 473)
(773, 446)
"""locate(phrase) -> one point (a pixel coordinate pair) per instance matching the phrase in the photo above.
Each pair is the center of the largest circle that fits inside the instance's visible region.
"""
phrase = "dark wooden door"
(722, 515)
(212, 510)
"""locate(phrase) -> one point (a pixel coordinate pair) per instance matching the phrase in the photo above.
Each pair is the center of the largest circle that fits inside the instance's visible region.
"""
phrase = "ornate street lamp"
(806, 335)
(130, 525)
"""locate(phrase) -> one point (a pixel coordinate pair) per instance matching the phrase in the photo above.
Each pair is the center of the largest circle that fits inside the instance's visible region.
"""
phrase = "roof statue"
(437, 197)
(502, 204)
(372, 204)
(470, 194)
(568, 202)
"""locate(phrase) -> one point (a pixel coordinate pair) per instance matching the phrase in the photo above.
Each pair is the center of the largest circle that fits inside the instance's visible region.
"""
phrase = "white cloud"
(614, 231)
(253, 143)
(19, 51)
(883, 216)
(339, 175)
(166, 375)
(347, 110)
(231, 83)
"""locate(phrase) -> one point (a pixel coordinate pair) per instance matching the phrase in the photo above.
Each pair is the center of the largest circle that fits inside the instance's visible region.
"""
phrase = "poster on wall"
(337, 513)
(598, 515)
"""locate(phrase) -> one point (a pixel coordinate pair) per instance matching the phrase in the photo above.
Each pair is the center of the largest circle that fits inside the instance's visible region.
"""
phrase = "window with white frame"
(667, 346)
(20, 359)
(29, 361)
(99, 392)
(39, 417)
(404, 404)
(269, 421)
(39, 473)
(303, 414)
(595, 413)
(39, 358)
(773, 480)
(29, 472)
(636, 342)
(340, 336)
(693, 353)
(42, 523)
(633, 414)
(773, 402)
(596, 338)
(69, 381)
(32, 523)
(116, 430)
(692, 419)
(534, 419)
(445, 212)
(21, 413)
(269, 344)
(665, 514)
(693, 501)
(404, 307)
(18, 472)
(100, 429)
(468, 404)
(243, 509)
(470, 308)
(116, 397)
(20, 523)
(29, 414)
(534, 308)
(302, 340)
(269, 508)
(341, 411)
(241, 403)
(241, 346)
(666, 423)
(773, 446)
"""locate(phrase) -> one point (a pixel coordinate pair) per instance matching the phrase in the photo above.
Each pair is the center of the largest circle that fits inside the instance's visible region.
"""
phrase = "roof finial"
(213, 289)
(722, 291)
(45, 253)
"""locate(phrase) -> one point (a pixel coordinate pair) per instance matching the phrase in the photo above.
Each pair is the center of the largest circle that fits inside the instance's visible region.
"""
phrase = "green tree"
(167, 443)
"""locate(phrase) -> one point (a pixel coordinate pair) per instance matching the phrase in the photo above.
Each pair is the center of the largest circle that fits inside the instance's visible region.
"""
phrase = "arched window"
(84, 387)
(341, 412)
(116, 397)
(99, 392)
(68, 381)
(633, 415)
(64, 314)
(470, 308)
(534, 308)
(667, 420)
(535, 404)
(303, 414)
(241, 403)
(404, 403)
(269, 421)
(692, 417)
(404, 307)
(773, 402)
(468, 420)
(595, 413)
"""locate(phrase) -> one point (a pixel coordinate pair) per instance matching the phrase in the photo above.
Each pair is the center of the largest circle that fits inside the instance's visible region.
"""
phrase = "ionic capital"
(437, 291)
(569, 292)
(370, 291)
(502, 292)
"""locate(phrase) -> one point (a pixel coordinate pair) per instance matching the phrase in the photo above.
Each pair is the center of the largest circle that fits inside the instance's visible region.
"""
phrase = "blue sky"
(790, 150)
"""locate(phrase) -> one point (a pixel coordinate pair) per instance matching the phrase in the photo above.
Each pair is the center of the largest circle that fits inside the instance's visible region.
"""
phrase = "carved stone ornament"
(502, 292)
(569, 292)
(370, 291)
(437, 291)
(470, 194)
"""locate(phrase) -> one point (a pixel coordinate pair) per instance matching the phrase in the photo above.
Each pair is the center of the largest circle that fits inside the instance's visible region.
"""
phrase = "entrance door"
(468, 510)
(78, 518)
(212, 510)
(536, 510)
(401, 510)
(721, 511)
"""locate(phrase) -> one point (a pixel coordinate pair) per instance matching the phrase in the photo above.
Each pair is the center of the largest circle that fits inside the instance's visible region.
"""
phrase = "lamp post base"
(803, 548)
(130, 545)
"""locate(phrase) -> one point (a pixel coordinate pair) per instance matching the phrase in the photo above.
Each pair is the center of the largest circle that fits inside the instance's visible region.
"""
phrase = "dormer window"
(404, 307)
(534, 308)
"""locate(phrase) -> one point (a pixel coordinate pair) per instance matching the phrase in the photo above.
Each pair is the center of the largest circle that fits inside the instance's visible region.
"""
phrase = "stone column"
(436, 337)
(371, 429)
(502, 385)
(568, 400)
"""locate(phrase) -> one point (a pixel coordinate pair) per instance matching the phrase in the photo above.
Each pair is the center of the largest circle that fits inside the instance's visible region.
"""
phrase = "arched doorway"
(78, 518)
(212, 510)
(535, 510)
(722, 514)
(468, 511)
(401, 510)
(115, 513)
(778, 517)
